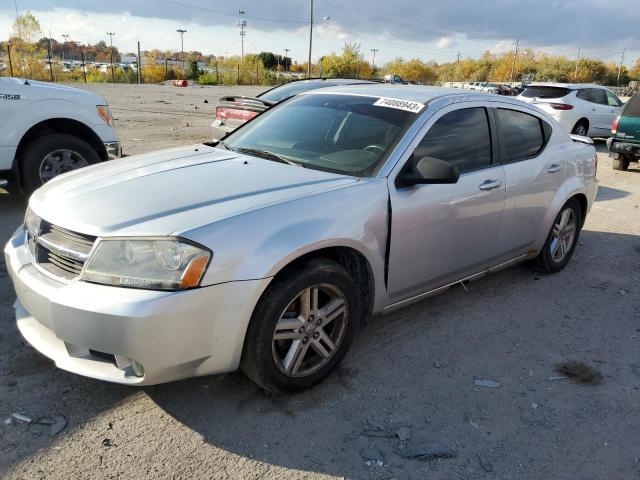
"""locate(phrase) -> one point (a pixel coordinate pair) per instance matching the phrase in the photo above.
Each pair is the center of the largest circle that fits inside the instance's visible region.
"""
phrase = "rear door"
(444, 233)
(602, 114)
(533, 175)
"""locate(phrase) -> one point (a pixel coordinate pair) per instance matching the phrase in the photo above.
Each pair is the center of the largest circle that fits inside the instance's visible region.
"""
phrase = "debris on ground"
(206, 101)
(485, 464)
(600, 286)
(106, 442)
(486, 383)
(417, 448)
(579, 372)
(372, 456)
(403, 434)
(56, 423)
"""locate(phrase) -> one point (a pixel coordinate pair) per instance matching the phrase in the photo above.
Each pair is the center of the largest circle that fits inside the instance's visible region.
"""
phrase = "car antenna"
(26, 82)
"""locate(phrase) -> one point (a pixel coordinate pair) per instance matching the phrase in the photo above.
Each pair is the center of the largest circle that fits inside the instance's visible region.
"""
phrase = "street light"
(181, 31)
(64, 50)
(373, 63)
(286, 53)
(113, 76)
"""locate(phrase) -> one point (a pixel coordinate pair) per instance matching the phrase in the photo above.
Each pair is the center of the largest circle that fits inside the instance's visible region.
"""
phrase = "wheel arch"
(352, 259)
(582, 120)
(59, 125)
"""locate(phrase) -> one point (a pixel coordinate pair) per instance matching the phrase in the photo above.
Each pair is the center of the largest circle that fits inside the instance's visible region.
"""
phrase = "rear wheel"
(51, 155)
(581, 128)
(302, 327)
(621, 163)
(562, 239)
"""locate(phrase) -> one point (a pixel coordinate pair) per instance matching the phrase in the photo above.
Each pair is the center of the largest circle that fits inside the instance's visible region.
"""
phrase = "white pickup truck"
(48, 129)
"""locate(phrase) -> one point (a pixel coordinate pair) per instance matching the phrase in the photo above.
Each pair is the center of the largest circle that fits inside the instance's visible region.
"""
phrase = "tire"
(53, 146)
(621, 163)
(581, 128)
(268, 361)
(548, 260)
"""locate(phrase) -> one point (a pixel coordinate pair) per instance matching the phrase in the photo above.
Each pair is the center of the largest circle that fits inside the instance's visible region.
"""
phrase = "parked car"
(581, 109)
(496, 88)
(266, 250)
(48, 129)
(395, 79)
(234, 110)
(624, 143)
(477, 86)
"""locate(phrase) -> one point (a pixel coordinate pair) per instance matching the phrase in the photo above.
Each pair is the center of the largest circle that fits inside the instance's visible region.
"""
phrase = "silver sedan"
(267, 250)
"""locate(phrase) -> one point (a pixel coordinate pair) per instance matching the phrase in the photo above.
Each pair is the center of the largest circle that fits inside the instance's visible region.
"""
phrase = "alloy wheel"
(563, 235)
(310, 330)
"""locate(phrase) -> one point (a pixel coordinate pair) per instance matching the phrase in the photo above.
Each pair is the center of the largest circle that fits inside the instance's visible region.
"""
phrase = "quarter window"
(461, 137)
(522, 135)
(612, 100)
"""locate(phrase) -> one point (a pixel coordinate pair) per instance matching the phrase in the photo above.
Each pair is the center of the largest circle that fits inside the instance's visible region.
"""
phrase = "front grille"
(59, 251)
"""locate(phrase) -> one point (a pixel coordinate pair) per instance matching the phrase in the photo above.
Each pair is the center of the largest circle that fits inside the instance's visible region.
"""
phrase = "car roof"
(572, 86)
(412, 93)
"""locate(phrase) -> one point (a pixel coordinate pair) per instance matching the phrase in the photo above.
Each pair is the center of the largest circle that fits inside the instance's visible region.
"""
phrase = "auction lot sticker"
(400, 104)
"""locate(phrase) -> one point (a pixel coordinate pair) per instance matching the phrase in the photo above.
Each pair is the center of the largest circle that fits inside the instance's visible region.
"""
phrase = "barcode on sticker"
(400, 104)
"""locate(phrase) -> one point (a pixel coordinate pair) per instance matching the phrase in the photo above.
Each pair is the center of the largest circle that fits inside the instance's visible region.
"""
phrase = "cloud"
(444, 42)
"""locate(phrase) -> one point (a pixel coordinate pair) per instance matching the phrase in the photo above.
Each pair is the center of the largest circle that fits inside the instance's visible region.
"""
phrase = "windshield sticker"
(406, 105)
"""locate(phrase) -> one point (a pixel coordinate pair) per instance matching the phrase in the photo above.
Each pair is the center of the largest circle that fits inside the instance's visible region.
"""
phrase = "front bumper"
(113, 149)
(100, 331)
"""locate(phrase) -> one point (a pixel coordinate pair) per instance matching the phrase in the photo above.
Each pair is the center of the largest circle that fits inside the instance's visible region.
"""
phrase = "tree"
(634, 73)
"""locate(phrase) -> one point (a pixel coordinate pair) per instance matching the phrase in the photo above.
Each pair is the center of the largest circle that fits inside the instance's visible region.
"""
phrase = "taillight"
(225, 113)
(561, 106)
(614, 127)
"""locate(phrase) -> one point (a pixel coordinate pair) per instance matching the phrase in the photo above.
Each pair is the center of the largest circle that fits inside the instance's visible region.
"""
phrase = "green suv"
(624, 143)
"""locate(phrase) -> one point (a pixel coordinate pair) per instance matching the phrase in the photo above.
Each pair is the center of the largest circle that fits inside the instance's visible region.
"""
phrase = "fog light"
(137, 368)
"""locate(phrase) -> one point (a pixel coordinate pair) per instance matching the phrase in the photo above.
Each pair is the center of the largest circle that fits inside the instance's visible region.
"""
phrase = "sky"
(425, 29)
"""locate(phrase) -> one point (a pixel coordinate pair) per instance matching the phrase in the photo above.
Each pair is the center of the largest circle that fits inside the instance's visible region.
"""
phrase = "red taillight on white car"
(561, 106)
(225, 113)
(614, 127)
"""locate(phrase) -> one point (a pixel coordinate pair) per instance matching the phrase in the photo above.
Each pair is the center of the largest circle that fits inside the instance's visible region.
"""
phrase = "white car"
(476, 85)
(48, 129)
(582, 109)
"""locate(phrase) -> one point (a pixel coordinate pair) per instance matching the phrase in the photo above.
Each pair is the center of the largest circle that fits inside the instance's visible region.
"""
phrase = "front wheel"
(562, 239)
(302, 327)
(48, 156)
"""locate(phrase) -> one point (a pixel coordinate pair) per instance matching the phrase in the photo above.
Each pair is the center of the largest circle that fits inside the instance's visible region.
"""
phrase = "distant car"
(395, 79)
(476, 86)
(234, 110)
(581, 109)
(496, 88)
(48, 129)
(265, 250)
(624, 143)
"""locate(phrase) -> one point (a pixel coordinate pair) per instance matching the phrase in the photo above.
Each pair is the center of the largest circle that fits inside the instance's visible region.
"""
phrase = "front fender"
(571, 187)
(260, 243)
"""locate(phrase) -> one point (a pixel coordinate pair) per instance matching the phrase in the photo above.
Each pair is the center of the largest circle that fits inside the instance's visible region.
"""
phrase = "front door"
(444, 233)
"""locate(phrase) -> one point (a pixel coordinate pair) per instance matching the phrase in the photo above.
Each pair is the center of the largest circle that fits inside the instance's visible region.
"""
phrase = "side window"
(522, 135)
(612, 100)
(584, 94)
(461, 137)
(598, 96)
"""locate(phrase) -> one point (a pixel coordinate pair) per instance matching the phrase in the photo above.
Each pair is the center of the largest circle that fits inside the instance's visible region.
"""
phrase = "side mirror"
(428, 170)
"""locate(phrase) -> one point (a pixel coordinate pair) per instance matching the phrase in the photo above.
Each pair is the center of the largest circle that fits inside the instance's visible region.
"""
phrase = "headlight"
(154, 264)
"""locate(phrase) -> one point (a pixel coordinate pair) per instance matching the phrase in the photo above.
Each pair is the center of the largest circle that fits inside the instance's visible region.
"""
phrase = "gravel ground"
(408, 378)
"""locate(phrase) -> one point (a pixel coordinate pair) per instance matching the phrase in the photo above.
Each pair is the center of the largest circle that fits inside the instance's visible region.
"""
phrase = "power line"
(234, 15)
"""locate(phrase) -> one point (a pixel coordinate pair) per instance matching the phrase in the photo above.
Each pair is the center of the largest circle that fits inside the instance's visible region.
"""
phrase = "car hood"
(35, 90)
(172, 191)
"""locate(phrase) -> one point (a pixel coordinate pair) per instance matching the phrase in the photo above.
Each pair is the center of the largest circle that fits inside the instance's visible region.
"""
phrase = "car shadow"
(409, 373)
(606, 193)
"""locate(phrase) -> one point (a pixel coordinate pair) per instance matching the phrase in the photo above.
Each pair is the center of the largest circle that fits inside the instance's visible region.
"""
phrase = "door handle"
(554, 168)
(490, 184)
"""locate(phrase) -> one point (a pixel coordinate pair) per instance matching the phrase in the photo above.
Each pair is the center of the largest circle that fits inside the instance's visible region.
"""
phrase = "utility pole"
(242, 23)
(49, 55)
(84, 70)
(624, 50)
(577, 63)
(10, 62)
(64, 50)
(139, 69)
(113, 75)
(286, 53)
(513, 65)
(373, 62)
(182, 31)
(310, 39)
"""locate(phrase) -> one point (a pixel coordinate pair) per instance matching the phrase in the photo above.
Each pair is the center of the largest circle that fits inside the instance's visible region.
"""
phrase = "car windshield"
(289, 90)
(632, 107)
(346, 134)
(546, 92)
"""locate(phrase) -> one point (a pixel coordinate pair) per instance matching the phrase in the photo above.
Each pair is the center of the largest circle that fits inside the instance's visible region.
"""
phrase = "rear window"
(632, 107)
(546, 92)
(294, 88)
